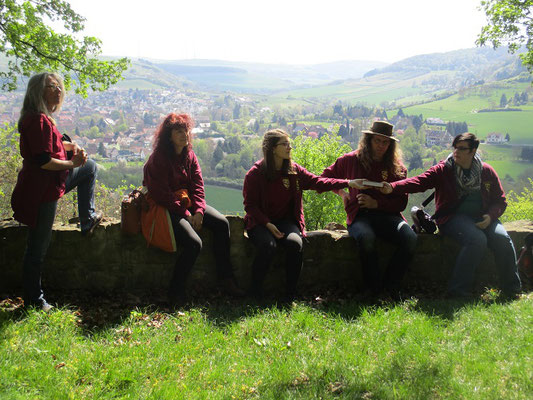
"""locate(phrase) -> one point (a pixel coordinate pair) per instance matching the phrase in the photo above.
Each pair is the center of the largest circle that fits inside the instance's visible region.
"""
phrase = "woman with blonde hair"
(274, 210)
(52, 166)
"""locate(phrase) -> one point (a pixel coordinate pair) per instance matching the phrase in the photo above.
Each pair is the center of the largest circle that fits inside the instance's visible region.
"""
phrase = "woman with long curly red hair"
(173, 167)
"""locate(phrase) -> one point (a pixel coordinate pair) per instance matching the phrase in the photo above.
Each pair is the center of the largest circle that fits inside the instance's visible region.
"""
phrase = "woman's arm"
(77, 160)
(251, 192)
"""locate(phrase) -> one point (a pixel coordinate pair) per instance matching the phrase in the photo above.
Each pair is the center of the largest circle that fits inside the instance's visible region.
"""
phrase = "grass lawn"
(416, 349)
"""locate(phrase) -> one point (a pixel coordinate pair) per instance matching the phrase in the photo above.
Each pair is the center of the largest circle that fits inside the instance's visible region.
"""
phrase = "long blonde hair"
(392, 157)
(34, 98)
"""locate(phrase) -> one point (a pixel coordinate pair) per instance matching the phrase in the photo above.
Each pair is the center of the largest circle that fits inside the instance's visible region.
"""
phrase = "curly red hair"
(162, 136)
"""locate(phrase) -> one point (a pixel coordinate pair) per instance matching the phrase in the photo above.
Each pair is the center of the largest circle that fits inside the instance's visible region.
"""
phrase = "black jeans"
(191, 245)
(366, 227)
(266, 246)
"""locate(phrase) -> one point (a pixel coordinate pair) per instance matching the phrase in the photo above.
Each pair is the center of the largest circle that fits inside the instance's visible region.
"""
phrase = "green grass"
(411, 350)
(225, 200)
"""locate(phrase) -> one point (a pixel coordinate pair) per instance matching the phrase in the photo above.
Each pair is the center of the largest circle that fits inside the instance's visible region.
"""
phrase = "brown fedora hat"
(381, 128)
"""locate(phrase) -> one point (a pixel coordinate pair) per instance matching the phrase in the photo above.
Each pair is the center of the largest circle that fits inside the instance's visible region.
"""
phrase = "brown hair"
(270, 140)
(470, 138)
(392, 158)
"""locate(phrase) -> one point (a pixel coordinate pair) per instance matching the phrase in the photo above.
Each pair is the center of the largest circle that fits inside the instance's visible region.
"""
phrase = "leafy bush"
(520, 206)
(315, 155)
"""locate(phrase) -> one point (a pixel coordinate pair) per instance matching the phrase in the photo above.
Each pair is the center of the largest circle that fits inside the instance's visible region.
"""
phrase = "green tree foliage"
(315, 155)
(11, 162)
(503, 101)
(509, 22)
(520, 206)
(32, 45)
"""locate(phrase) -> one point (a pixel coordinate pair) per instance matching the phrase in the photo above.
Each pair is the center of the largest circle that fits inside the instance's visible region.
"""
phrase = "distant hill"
(421, 78)
(263, 78)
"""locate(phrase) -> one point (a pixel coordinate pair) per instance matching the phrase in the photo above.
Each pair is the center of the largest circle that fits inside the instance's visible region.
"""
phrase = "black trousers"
(191, 244)
(266, 246)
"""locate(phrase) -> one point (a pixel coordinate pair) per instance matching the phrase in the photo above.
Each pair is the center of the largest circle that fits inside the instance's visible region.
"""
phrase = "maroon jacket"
(349, 167)
(256, 198)
(38, 135)
(163, 176)
(442, 178)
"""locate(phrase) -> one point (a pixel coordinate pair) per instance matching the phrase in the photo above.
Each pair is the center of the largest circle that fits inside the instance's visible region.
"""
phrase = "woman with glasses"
(274, 211)
(469, 199)
(52, 166)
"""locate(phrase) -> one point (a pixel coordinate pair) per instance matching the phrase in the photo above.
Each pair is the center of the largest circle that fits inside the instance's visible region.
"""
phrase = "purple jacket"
(256, 197)
(442, 178)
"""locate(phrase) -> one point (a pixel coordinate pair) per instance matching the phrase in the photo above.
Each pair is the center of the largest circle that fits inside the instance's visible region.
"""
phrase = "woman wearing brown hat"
(370, 213)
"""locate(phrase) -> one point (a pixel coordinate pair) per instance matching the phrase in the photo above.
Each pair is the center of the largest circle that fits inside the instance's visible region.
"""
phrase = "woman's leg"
(363, 233)
(36, 247)
(265, 245)
(190, 244)
(84, 178)
(219, 225)
(473, 244)
(396, 230)
(504, 254)
(292, 241)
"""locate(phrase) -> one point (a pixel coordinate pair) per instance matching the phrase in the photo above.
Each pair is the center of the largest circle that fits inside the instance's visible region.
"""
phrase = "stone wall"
(110, 261)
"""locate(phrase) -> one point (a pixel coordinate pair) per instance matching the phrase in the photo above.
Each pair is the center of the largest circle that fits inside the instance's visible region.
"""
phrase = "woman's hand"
(387, 188)
(196, 221)
(365, 201)
(79, 159)
(274, 230)
(72, 146)
(483, 224)
(344, 195)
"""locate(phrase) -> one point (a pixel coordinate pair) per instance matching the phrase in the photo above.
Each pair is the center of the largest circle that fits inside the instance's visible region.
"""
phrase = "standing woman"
(172, 167)
(47, 173)
(274, 210)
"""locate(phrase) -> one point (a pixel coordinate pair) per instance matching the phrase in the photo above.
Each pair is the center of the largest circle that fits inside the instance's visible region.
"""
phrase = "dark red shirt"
(349, 167)
(38, 136)
(163, 176)
(261, 198)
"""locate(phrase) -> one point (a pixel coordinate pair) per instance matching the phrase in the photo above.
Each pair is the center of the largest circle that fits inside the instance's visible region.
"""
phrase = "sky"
(281, 31)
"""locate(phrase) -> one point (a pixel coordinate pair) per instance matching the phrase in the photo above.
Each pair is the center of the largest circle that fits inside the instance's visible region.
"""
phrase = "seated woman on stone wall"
(371, 214)
(274, 211)
(173, 166)
(52, 166)
(469, 199)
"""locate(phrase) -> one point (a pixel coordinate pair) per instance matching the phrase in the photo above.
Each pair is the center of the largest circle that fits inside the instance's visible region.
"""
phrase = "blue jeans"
(474, 242)
(84, 178)
(366, 227)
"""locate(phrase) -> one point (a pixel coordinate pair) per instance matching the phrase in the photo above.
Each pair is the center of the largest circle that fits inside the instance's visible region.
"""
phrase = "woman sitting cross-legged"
(173, 168)
(274, 210)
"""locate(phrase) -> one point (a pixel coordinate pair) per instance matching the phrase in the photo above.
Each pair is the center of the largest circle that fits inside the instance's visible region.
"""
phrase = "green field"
(227, 201)
(465, 106)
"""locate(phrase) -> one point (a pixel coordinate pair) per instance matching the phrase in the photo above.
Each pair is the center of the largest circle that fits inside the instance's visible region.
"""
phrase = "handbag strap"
(429, 199)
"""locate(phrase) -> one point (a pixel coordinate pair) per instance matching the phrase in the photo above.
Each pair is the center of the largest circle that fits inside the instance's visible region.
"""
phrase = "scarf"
(466, 183)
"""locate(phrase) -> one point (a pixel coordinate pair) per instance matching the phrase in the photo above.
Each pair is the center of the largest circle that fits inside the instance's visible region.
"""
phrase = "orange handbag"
(156, 226)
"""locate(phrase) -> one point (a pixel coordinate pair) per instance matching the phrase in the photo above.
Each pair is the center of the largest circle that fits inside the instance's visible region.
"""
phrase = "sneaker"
(95, 221)
(46, 307)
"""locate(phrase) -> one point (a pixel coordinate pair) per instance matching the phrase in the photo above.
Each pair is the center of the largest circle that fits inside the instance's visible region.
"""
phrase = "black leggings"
(191, 244)
(266, 246)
